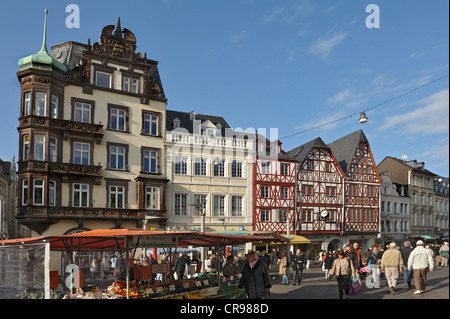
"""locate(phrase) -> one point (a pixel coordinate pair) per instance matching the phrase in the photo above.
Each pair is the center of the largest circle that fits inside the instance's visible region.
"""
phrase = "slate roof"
(188, 124)
(345, 147)
(300, 152)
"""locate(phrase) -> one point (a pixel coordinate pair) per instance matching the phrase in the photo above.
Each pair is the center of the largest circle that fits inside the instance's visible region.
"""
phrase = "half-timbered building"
(319, 198)
(274, 188)
(361, 188)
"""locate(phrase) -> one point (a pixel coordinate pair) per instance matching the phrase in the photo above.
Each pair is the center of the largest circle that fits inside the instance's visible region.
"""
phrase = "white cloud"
(238, 38)
(432, 118)
(322, 47)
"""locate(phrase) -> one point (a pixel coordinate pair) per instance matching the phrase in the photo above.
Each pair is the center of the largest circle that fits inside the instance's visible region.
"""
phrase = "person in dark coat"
(407, 275)
(328, 263)
(180, 265)
(297, 263)
(255, 278)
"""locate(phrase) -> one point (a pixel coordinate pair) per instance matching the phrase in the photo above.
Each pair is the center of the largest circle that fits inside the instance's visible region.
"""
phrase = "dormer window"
(176, 123)
(193, 116)
(130, 84)
(103, 79)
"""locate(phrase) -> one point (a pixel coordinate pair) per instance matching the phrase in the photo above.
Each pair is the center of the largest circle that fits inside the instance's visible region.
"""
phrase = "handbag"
(355, 286)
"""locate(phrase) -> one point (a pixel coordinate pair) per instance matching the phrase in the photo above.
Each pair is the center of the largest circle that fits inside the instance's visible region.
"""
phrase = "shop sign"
(154, 241)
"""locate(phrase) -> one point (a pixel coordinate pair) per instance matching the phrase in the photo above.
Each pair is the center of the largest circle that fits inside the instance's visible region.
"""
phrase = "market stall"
(127, 241)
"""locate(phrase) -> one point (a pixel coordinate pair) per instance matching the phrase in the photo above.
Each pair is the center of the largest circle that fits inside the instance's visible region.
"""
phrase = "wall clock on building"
(324, 213)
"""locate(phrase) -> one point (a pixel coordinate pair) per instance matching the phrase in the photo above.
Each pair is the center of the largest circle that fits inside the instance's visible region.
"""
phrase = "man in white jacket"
(420, 260)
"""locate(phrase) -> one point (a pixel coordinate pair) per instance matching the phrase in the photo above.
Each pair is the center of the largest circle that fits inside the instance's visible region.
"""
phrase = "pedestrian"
(420, 261)
(308, 259)
(297, 262)
(94, 269)
(328, 263)
(230, 269)
(322, 255)
(180, 266)
(344, 271)
(360, 255)
(113, 264)
(374, 260)
(353, 255)
(392, 262)
(255, 278)
(443, 251)
(120, 268)
(241, 261)
(407, 275)
(273, 258)
(283, 269)
(104, 267)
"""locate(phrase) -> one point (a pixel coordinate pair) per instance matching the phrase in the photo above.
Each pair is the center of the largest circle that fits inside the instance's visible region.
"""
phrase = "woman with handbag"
(374, 261)
(344, 271)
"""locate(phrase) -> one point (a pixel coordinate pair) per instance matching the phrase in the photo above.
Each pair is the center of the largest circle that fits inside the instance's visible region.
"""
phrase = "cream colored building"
(208, 163)
(91, 153)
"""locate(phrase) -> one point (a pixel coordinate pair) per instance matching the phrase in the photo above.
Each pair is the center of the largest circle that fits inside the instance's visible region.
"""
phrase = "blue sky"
(291, 65)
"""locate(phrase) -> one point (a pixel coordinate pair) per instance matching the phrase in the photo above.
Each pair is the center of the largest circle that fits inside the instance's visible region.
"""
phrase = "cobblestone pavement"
(315, 286)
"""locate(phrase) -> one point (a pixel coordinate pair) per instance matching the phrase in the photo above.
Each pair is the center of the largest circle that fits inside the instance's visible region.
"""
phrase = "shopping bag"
(355, 286)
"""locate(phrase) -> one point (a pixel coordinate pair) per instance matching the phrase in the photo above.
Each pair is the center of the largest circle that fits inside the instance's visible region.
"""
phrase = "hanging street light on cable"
(363, 119)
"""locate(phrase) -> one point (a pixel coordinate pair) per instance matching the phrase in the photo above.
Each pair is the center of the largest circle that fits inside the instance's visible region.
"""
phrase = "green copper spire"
(42, 59)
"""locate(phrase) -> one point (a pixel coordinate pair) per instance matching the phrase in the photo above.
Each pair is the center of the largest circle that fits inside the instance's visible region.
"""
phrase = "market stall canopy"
(259, 235)
(296, 239)
(112, 239)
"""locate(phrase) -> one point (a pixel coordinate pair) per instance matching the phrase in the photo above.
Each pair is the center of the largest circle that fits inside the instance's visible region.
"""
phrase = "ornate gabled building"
(320, 198)
(91, 123)
(274, 188)
(361, 187)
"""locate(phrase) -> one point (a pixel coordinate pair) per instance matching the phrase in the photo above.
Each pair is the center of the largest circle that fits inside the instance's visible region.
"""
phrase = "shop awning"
(296, 239)
(260, 235)
(112, 239)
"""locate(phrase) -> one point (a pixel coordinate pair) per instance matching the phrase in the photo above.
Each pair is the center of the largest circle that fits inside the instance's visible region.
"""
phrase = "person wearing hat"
(420, 261)
(392, 262)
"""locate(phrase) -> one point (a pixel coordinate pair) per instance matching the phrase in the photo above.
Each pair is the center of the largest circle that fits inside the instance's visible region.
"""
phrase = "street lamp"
(201, 208)
(363, 119)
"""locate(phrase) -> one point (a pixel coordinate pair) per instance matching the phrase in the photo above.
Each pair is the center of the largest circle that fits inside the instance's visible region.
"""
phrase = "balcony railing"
(59, 168)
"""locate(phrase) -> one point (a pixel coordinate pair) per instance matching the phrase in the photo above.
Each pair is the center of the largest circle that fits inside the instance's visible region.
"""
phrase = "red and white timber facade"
(274, 189)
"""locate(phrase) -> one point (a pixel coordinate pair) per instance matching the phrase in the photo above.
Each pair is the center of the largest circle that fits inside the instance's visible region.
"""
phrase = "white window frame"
(237, 169)
(117, 190)
(202, 166)
(27, 104)
(81, 191)
(24, 192)
(180, 165)
(180, 204)
(219, 208)
(120, 116)
(237, 207)
(52, 193)
(53, 149)
(115, 151)
(40, 104)
(36, 187)
(152, 197)
(80, 110)
(151, 124)
(150, 155)
(103, 73)
(54, 106)
(26, 147)
(82, 153)
(39, 143)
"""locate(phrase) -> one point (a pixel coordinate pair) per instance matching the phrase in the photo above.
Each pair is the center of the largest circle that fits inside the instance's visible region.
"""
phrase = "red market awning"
(111, 239)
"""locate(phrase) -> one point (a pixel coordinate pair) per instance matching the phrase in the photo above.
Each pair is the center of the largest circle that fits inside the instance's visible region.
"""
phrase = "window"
(310, 165)
(53, 149)
(27, 104)
(219, 168)
(200, 167)
(38, 192)
(285, 193)
(150, 159)
(307, 216)
(328, 167)
(130, 84)
(180, 204)
(236, 205)
(24, 192)
(39, 147)
(200, 199)
(117, 157)
(307, 189)
(40, 103)
(265, 167)
(80, 195)
(282, 216)
(151, 124)
(82, 112)
(116, 196)
(118, 119)
(284, 169)
(26, 147)
(152, 197)
(52, 193)
(332, 217)
(180, 165)
(103, 79)
(331, 191)
(54, 107)
(81, 153)
(236, 169)
(265, 215)
(219, 205)
(382, 207)
(265, 191)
